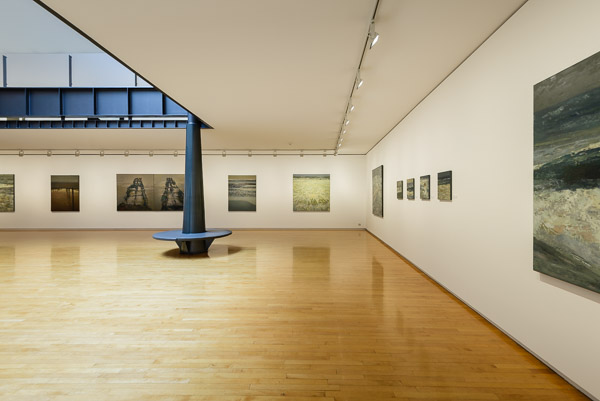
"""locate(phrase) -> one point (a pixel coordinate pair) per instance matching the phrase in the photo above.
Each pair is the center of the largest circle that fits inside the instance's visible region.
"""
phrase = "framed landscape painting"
(311, 192)
(242, 193)
(377, 189)
(425, 191)
(64, 193)
(445, 186)
(7, 193)
(400, 189)
(566, 175)
(410, 189)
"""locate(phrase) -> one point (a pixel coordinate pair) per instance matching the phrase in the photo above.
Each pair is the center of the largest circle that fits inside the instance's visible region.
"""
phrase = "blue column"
(193, 200)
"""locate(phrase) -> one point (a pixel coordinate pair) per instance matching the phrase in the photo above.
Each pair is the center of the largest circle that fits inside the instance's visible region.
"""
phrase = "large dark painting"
(566, 171)
(377, 188)
(150, 192)
(64, 193)
(400, 190)
(7, 193)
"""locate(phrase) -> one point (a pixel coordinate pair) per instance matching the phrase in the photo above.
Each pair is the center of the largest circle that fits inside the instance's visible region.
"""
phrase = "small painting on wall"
(168, 192)
(7, 193)
(64, 195)
(445, 186)
(242, 193)
(410, 189)
(377, 188)
(424, 192)
(566, 175)
(400, 189)
(311, 192)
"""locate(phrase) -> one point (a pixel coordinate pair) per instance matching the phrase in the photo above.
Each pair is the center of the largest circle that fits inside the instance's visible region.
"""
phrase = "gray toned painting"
(377, 188)
(566, 171)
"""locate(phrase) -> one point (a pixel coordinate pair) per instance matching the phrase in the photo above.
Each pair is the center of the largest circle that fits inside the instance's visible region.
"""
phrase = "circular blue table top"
(178, 235)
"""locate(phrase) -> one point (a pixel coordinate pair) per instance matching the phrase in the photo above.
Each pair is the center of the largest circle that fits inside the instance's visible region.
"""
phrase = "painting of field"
(445, 186)
(425, 192)
(566, 172)
(64, 195)
(410, 189)
(400, 189)
(311, 192)
(242, 193)
(7, 193)
(377, 189)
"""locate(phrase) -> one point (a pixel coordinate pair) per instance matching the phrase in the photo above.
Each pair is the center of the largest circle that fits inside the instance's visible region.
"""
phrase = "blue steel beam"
(90, 108)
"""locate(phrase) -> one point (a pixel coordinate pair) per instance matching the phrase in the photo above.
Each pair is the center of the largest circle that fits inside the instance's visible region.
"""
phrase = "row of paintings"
(444, 187)
(164, 192)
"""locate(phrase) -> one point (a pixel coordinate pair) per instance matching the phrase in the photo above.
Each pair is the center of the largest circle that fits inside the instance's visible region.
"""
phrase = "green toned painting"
(424, 192)
(410, 189)
(242, 193)
(377, 189)
(566, 172)
(400, 189)
(445, 186)
(311, 192)
(64, 195)
(7, 193)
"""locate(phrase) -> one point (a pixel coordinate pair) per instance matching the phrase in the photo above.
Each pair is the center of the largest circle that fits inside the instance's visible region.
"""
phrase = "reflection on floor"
(266, 315)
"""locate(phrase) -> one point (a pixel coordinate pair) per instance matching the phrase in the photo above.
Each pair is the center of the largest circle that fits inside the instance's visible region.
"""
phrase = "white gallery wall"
(479, 124)
(98, 193)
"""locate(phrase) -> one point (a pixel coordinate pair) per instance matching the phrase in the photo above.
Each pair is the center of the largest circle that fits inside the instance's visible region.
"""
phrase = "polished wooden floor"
(267, 315)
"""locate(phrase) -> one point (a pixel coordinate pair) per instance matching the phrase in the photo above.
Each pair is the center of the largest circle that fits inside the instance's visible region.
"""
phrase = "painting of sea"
(242, 193)
(64, 193)
(566, 173)
(410, 189)
(445, 186)
(311, 192)
(7, 193)
(377, 189)
(424, 192)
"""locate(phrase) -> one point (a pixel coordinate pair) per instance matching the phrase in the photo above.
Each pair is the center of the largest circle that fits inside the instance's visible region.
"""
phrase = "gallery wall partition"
(138, 191)
(469, 148)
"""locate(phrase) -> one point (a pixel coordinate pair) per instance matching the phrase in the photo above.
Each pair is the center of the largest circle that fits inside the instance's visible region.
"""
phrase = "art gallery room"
(267, 200)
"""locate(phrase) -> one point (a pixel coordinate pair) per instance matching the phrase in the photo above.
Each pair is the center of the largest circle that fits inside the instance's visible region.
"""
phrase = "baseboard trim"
(542, 360)
(178, 228)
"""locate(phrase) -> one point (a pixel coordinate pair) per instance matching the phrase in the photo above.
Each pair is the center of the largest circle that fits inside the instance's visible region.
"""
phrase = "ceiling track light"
(373, 36)
(151, 153)
(21, 153)
(223, 153)
(249, 153)
(49, 153)
(301, 153)
(126, 153)
(350, 107)
(175, 153)
(274, 153)
(101, 153)
(359, 80)
(77, 153)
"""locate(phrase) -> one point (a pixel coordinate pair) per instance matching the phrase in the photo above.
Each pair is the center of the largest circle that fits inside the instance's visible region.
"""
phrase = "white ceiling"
(276, 74)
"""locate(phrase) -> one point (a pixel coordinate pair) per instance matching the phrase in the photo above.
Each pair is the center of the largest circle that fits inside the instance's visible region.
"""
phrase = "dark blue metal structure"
(90, 108)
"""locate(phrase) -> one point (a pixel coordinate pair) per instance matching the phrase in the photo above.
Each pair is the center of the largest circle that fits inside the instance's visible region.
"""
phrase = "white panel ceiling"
(276, 74)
